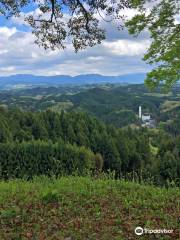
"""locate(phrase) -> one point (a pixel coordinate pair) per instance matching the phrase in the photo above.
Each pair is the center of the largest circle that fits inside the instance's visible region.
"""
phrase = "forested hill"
(53, 143)
(113, 104)
(19, 80)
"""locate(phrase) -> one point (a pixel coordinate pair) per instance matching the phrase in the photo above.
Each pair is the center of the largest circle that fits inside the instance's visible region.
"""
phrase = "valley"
(112, 103)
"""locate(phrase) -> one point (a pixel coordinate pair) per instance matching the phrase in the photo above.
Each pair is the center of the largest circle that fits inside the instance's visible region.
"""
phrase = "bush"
(28, 159)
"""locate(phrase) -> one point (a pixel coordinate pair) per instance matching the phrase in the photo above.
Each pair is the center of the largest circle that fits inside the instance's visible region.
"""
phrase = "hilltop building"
(146, 120)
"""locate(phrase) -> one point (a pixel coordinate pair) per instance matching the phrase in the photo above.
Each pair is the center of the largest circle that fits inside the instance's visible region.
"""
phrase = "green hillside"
(113, 104)
(50, 143)
(70, 157)
(82, 208)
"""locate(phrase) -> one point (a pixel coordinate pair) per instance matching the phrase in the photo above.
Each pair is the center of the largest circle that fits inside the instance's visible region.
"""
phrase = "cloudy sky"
(119, 54)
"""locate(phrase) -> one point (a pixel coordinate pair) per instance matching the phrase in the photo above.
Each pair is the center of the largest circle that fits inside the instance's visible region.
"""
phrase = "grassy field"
(74, 208)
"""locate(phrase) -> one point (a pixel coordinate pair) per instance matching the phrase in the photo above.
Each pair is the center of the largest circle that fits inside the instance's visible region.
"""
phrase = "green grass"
(82, 208)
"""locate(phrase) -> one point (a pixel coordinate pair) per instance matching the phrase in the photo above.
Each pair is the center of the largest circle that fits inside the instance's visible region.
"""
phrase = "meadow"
(75, 208)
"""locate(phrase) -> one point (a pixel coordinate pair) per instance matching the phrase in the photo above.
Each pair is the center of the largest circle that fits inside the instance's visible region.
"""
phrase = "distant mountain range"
(25, 80)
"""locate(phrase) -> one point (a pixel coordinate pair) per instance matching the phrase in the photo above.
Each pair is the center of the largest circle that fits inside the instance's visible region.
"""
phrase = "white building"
(146, 117)
(146, 120)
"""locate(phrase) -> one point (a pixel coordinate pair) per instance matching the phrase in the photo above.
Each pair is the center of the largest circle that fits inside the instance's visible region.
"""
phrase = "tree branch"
(52, 14)
(53, 9)
(86, 14)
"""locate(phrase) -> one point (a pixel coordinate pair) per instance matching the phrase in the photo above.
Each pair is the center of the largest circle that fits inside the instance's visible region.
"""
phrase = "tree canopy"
(164, 52)
(79, 21)
(38, 143)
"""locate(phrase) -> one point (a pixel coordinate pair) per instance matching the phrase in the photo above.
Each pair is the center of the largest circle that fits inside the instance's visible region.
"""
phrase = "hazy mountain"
(26, 79)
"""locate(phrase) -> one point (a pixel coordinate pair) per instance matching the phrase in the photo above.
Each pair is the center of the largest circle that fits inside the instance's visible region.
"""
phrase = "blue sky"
(119, 54)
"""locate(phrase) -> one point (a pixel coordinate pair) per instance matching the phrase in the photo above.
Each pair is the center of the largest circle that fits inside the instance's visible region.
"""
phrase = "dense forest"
(52, 143)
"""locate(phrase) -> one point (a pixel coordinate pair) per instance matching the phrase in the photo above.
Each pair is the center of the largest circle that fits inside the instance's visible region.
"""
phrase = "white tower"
(140, 112)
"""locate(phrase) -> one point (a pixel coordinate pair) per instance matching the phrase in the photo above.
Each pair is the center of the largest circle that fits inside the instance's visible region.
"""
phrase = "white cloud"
(127, 47)
(99, 58)
(3, 51)
(177, 19)
(19, 54)
(119, 54)
(9, 69)
(19, 20)
(6, 32)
